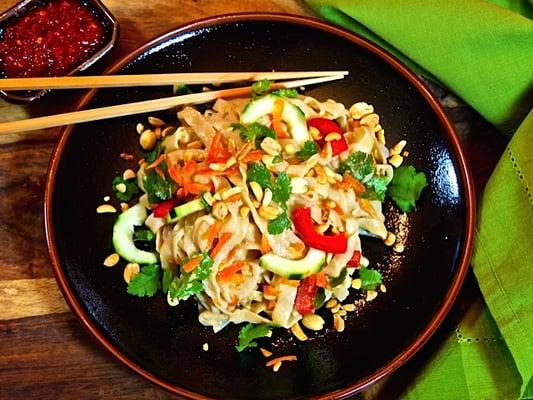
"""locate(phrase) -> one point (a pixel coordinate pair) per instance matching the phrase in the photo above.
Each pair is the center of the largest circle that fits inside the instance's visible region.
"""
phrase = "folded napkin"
(482, 51)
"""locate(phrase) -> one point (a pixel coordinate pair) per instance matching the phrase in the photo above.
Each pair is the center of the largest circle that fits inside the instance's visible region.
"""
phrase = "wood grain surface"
(44, 352)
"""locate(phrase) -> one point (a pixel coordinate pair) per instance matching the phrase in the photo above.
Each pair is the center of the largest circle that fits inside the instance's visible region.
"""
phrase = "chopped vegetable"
(278, 225)
(277, 119)
(370, 278)
(227, 273)
(152, 155)
(260, 174)
(147, 282)
(305, 296)
(326, 126)
(166, 279)
(163, 208)
(274, 361)
(260, 88)
(281, 190)
(406, 187)
(254, 131)
(355, 260)
(301, 217)
(131, 188)
(277, 159)
(251, 332)
(189, 284)
(221, 242)
(308, 150)
(158, 188)
(192, 264)
(291, 93)
(143, 235)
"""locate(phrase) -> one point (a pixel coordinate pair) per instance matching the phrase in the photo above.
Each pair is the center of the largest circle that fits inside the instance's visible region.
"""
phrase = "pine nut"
(330, 137)
(331, 303)
(267, 197)
(297, 331)
(338, 323)
(121, 187)
(157, 132)
(405, 153)
(398, 147)
(106, 208)
(154, 121)
(290, 149)
(169, 130)
(219, 167)
(205, 347)
(107, 198)
(396, 160)
(139, 128)
(128, 174)
(349, 307)
(390, 239)
(257, 190)
(342, 312)
(148, 139)
(244, 211)
(371, 295)
(356, 283)
(271, 146)
(382, 288)
(111, 260)
(130, 271)
(269, 213)
(226, 194)
(313, 321)
(336, 308)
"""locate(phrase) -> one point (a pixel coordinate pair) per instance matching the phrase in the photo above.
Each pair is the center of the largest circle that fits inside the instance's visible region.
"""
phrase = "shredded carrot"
(280, 359)
(234, 300)
(158, 161)
(265, 246)
(212, 233)
(339, 210)
(321, 280)
(192, 264)
(271, 304)
(196, 188)
(366, 206)
(254, 155)
(221, 242)
(357, 186)
(324, 151)
(292, 282)
(227, 273)
(160, 172)
(232, 253)
(217, 152)
(233, 198)
(277, 125)
(270, 291)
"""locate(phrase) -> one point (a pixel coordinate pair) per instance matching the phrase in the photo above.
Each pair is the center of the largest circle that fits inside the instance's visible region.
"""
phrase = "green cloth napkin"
(482, 51)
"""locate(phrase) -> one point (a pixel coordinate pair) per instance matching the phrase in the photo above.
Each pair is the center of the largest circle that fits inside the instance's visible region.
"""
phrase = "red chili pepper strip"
(305, 295)
(326, 126)
(301, 217)
(354, 262)
(163, 208)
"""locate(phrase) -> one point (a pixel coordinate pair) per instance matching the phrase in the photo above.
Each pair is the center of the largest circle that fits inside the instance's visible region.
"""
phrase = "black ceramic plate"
(164, 344)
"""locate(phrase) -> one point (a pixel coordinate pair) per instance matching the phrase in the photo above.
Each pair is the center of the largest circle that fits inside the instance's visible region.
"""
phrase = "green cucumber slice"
(183, 210)
(123, 236)
(294, 269)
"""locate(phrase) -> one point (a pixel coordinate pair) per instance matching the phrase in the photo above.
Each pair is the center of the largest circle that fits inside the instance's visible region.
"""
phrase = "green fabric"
(482, 51)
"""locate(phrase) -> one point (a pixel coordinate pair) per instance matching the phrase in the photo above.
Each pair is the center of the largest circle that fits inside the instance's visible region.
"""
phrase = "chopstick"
(107, 81)
(140, 107)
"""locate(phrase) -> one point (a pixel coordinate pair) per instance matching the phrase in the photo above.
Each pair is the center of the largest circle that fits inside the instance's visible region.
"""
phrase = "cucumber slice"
(294, 269)
(292, 116)
(123, 236)
(185, 209)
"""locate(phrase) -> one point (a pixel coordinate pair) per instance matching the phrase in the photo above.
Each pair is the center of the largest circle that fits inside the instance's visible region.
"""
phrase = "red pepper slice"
(163, 208)
(301, 217)
(354, 261)
(326, 126)
(305, 295)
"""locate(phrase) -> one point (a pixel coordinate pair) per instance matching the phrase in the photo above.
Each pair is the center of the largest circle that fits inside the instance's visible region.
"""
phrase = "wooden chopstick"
(140, 107)
(107, 81)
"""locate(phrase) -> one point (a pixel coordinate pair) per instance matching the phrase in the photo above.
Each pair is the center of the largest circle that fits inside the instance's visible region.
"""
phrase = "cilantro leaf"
(279, 224)
(360, 165)
(261, 87)
(406, 187)
(339, 279)
(260, 174)
(147, 282)
(152, 155)
(281, 191)
(157, 188)
(181, 89)
(249, 333)
(277, 159)
(188, 284)
(376, 188)
(320, 298)
(143, 235)
(131, 188)
(370, 278)
(254, 131)
(291, 93)
(309, 148)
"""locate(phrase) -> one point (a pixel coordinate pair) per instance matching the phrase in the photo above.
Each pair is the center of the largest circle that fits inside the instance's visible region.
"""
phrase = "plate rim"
(449, 132)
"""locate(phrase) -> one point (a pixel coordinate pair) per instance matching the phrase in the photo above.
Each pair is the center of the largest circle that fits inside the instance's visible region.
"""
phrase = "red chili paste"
(50, 40)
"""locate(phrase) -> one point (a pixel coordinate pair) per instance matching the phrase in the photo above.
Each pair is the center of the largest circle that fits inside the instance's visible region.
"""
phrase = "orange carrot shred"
(269, 290)
(265, 246)
(280, 359)
(160, 172)
(192, 264)
(276, 120)
(212, 233)
(221, 242)
(233, 198)
(321, 280)
(227, 273)
(357, 186)
(158, 161)
(254, 155)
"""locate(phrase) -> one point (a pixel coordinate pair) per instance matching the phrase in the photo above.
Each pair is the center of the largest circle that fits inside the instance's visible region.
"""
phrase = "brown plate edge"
(464, 259)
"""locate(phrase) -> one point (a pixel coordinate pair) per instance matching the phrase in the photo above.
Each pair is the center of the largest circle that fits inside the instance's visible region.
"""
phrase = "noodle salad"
(255, 207)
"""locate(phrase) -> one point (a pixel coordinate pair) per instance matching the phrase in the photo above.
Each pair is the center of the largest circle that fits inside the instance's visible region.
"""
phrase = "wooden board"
(44, 352)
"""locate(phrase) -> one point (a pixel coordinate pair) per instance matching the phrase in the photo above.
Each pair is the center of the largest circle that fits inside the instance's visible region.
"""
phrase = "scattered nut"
(348, 307)
(297, 331)
(313, 321)
(335, 308)
(360, 109)
(148, 139)
(128, 174)
(111, 260)
(396, 160)
(121, 187)
(219, 210)
(370, 120)
(271, 146)
(139, 128)
(276, 366)
(124, 206)
(399, 247)
(298, 185)
(205, 347)
(330, 137)
(130, 271)
(338, 323)
(390, 239)
(382, 288)
(269, 213)
(107, 198)
(371, 295)
(290, 149)
(226, 194)
(267, 197)
(154, 121)
(257, 190)
(356, 283)
(315, 133)
(331, 303)
(106, 208)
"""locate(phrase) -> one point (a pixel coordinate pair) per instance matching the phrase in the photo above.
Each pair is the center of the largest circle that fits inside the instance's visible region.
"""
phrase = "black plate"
(164, 344)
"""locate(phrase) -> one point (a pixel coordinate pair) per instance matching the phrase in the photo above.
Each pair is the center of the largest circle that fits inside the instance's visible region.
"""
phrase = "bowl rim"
(419, 85)
(102, 14)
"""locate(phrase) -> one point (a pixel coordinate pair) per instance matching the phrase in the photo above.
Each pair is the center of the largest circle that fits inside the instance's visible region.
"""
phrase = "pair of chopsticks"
(109, 81)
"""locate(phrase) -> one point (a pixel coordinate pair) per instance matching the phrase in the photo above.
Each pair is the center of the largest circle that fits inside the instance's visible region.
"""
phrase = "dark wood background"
(44, 352)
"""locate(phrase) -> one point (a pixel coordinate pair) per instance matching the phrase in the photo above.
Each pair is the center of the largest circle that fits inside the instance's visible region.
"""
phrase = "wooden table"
(44, 352)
